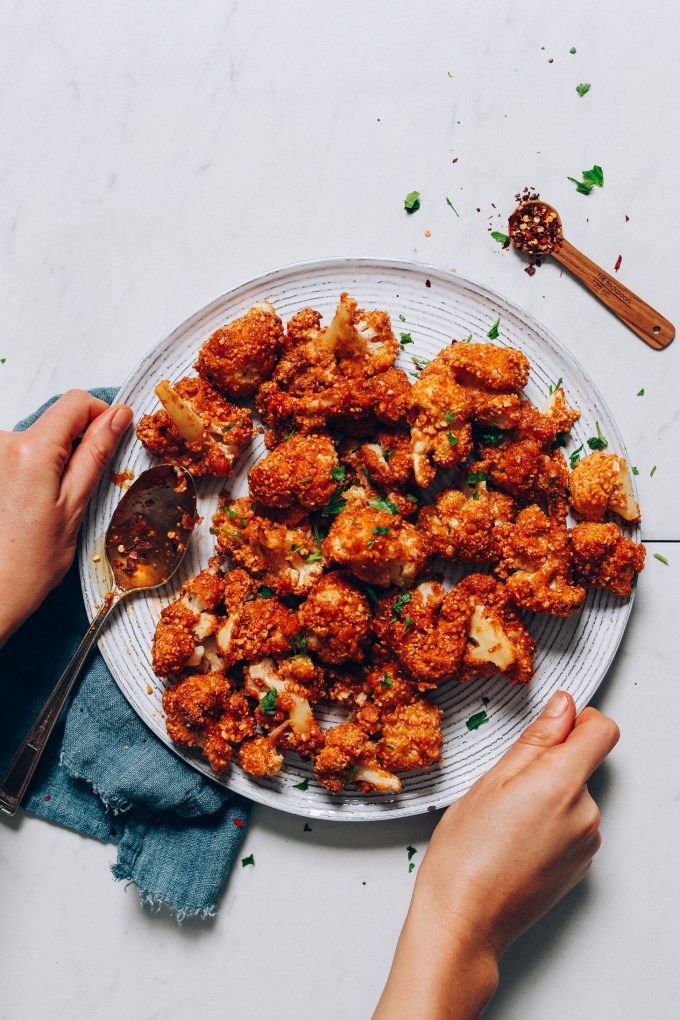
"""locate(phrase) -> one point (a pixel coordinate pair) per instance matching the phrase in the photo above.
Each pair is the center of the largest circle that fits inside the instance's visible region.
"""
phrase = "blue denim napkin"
(104, 774)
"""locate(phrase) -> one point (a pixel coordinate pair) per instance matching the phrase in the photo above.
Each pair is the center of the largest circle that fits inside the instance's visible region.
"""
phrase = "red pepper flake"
(550, 60)
(455, 160)
(48, 797)
(493, 205)
(238, 823)
(627, 219)
(617, 264)
(530, 270)
(428, 283)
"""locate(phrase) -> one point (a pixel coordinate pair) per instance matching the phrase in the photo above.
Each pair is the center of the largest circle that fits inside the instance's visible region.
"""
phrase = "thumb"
(90, 458)
(552, 727)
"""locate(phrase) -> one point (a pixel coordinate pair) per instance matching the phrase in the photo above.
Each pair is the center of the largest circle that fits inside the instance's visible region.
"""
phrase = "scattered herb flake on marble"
(499, 236)
(597, 442)
(493, 332)
(411, 852)
(449, 202)
(617, 264)
(641, 392)
(652, 472)
(245, 861)
(572, 50)
(477, 720)
(2, 361)
(412, 201)
(661, 559)
(411, 867)
(581, 186)
(304, 785)
(583, 88)
(594, 176)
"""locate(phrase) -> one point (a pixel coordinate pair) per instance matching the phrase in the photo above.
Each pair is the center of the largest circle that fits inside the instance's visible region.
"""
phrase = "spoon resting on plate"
(535, 228)
(145, 544)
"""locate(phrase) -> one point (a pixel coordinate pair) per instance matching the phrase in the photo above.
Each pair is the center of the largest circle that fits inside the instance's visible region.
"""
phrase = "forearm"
(437, 973)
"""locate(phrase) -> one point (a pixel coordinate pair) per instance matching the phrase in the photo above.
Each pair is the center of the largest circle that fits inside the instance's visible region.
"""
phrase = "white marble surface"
(153, 155)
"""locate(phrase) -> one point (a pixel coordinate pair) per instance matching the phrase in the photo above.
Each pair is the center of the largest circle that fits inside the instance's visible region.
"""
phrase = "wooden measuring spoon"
(536, 229)
(145, 543)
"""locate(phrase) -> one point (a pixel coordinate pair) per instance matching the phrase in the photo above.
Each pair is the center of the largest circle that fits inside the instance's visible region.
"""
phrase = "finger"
(552, 727)
(68, 417)
(593, 737)
(94, 452)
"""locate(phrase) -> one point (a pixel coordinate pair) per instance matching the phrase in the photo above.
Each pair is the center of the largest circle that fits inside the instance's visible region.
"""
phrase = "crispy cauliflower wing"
(604, 558)
(385, 461)
(297, 472)
(196, 429)
(280, 549)
(600, 483)
(526, 473)
(348, 756)
(411, 737)
(497, 641)
(377, 545)
(203, 713)
(287, 709)
(184, 635)
(537, 564)
(488, 367)
(544, 426)
(241, 355)
(466, 528)
(258, 628)
(426, 631)
(260, 756)
(441, 434)
(336, 619)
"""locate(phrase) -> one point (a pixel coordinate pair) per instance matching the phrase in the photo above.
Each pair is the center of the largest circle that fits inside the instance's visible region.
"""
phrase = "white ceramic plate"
(437, 306)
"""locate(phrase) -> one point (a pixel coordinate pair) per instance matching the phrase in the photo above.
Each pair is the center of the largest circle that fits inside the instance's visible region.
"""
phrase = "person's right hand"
(500, 858)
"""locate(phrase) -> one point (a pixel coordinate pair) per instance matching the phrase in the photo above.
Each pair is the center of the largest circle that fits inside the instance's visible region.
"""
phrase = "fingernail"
(557, 705)
(120, 420)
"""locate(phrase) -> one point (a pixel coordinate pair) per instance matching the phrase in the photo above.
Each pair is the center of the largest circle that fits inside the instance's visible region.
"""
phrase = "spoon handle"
(644, 320)
(24, 763)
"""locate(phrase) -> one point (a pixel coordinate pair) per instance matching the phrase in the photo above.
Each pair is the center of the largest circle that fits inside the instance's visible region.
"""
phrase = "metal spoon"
(536, 229)
(145, 543)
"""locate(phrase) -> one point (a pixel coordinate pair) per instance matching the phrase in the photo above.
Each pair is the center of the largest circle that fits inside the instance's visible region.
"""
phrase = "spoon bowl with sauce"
(535, 228)
(145, 544)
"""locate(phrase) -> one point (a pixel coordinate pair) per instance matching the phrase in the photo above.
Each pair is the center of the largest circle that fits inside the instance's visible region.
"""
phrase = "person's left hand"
(45, 483)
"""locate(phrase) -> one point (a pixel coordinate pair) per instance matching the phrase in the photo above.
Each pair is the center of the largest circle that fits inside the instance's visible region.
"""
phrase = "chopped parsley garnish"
(2, 361)
(641, 392)
(385, 682)
(304, 785)
(245, 861)
(475, 495)
(493, 332)
(338, 473)
(488, 435)
(559, 440)
(298, 644)
(402, 318)
(635, 471)
(652, 472)
(553, 388)
(352, 773)
(387, 454)
(419, 362)
(381, 531)
(399, 603)
(411, 867)
(452, 439)
(597, 442)
(370, 592)
(661, 559)
(476, 476)
(583, 88)
(314, 557)
(213, 531)
(265, 592)
(450, 416)
(405, 338)
(450, 203)
(410, 852)
(305, 481)
(499, 236)
(581, 186)
(411, 498)
(335, 505)
(468, 339)
(227, 427)
(382, 504)
(408, 622)
(268, 702)
(575, 457)
(591, 179)
(573, 49)
(477, 720)
(412, 201)
(289, 434)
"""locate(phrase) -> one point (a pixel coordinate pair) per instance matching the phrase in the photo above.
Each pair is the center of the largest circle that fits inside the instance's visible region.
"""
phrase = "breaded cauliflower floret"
(288, 709)
(202, 712)
(336, 618)
(184, 635)
(526, 473)
(466, 529)
(599, 483)
(278, 548)
(426, 630)
(197, 429)
(259, 628)
(441, 434)
(488, 367)
(411, 737)
(385, 461)
(241, 355)
(298, 472)
(604, 558)
(545, 425)
(302, 328)
(378, 546)
(537, 564)
(261, 756)
(348, 756)
(498, 641)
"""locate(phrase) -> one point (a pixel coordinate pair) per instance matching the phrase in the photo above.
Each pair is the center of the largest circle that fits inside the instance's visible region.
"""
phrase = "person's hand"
(45, 483)
(501, 856)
